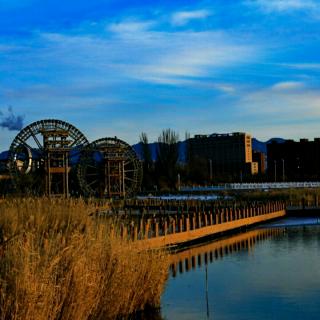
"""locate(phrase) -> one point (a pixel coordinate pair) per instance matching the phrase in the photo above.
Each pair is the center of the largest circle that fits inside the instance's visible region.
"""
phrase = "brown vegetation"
(291, 196)
(57, 262)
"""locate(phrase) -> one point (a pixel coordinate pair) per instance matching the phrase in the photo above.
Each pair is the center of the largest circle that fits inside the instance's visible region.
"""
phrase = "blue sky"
(117, 68)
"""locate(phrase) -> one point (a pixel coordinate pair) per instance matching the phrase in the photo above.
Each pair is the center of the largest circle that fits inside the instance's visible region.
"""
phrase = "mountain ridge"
(257, 145)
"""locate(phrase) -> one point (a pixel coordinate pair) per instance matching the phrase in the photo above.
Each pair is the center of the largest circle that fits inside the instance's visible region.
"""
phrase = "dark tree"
(167, 158)
(148, 167)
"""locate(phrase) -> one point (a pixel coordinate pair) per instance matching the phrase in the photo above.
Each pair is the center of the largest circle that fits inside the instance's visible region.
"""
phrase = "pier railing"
(180, 227)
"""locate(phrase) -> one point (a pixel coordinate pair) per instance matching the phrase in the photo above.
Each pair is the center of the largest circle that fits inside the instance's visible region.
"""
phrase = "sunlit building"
(228, 155)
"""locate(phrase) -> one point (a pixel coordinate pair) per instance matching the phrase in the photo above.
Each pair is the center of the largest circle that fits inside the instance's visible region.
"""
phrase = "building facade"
(259, 158)
(294, 160)
(228, 155)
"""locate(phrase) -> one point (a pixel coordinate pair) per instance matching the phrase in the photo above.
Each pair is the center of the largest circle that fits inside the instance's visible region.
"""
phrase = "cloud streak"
(130, 51)
(182, 18)
(283, 6)
(285, 101)
(287, 86)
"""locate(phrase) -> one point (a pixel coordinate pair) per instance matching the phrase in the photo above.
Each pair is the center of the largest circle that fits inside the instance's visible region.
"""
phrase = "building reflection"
(193, 257)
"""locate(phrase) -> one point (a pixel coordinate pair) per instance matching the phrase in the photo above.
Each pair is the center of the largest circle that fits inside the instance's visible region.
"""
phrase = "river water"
(268, 273)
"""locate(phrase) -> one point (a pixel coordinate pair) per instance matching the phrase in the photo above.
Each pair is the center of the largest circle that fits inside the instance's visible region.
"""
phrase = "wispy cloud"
(288, 85)
(283, 5)
(183, 17)
(130, 27)
(133, 51)
(173, 57)
(286, 101)
(303, 66)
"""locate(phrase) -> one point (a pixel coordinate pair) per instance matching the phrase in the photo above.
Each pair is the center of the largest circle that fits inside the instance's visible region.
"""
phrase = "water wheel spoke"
(130, 170)
(93, 182)
(26, 145)
(92, 166)
(92, 174)
(36, 140)
(130, 179)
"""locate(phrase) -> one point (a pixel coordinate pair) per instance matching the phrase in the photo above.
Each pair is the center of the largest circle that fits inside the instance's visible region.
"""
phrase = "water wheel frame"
(27, 154)
(95, 162)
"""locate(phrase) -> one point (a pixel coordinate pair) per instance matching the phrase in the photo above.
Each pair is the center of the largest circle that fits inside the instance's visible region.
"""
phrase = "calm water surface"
(270, 273)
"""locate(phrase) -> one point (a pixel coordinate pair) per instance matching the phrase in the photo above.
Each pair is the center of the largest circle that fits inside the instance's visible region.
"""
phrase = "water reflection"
(196, 256)
(262, 274)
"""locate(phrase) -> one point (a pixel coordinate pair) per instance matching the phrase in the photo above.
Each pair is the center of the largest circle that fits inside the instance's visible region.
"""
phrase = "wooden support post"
(217, 220)
(173, 226)
(205, 219)
(165, 226)
(180, 225)
(156, 231)
(193, 222)
(187, 223)
(231, 217)
(210, 218)
(222, 218)
(199, 219)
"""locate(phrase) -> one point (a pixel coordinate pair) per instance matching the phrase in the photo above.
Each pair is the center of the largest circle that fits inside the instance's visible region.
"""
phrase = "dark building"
(229, 156)
(294, 160)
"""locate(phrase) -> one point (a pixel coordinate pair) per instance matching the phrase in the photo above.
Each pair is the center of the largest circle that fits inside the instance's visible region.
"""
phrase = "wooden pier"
(170, 230)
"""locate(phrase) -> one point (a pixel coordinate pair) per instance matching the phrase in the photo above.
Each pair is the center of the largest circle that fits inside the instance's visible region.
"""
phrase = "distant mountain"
(4, 155)
(182, 146)
(262, 146)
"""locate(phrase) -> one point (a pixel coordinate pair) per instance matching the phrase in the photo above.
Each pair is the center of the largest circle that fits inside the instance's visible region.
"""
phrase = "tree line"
(166, 171)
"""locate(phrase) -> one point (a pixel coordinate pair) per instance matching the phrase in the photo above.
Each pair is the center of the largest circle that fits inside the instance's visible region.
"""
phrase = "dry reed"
(57, 262)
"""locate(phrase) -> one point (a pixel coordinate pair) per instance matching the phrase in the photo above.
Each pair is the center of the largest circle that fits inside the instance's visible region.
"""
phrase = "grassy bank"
(57, 262)
(294, 196)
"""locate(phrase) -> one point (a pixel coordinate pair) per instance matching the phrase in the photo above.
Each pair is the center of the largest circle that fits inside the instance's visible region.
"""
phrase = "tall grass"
(57, 262)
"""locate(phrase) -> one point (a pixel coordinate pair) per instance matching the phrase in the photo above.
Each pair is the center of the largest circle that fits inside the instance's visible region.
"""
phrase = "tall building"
(228, 155)
(294, 160)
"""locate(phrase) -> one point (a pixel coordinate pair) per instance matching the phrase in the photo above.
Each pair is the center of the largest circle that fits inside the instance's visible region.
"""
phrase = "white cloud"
(283, 5)
(283, 102)
(183, 17)
(269, 112)
(132, 50)
(287, 85)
